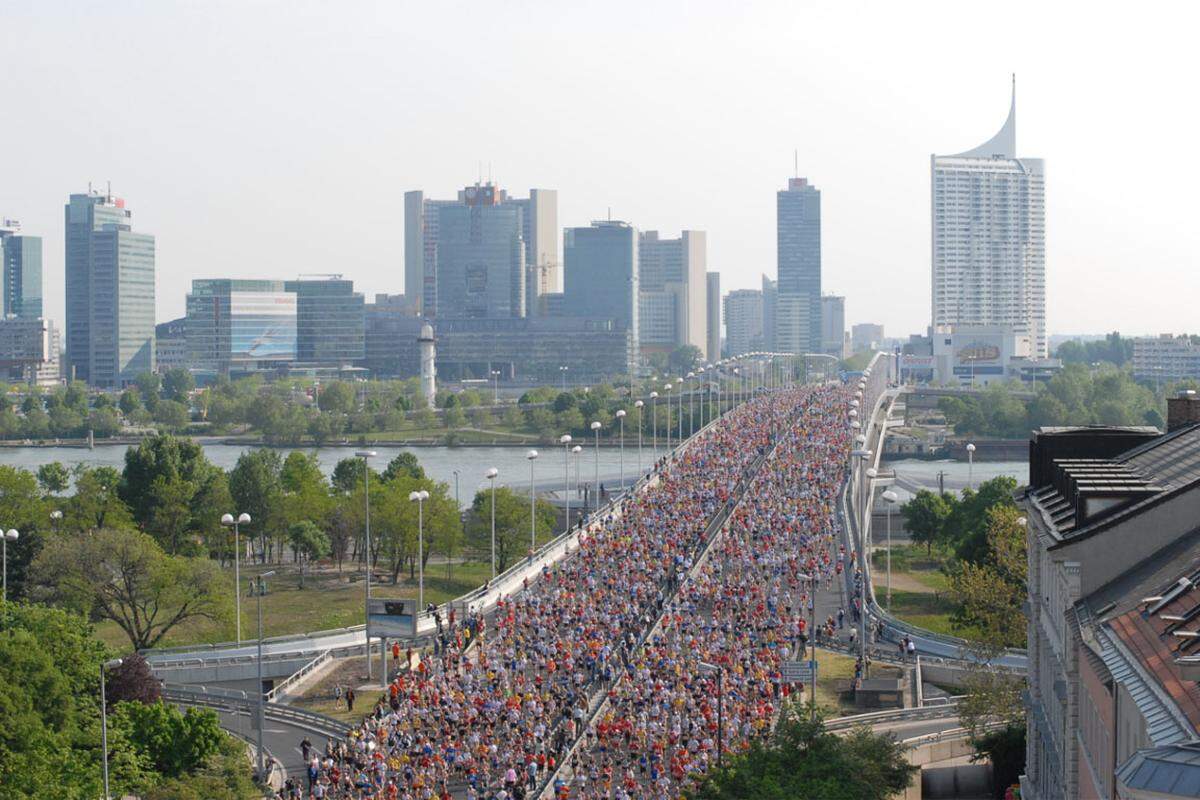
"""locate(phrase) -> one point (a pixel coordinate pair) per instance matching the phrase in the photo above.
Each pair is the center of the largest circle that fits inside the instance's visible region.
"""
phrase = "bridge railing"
(232, 700)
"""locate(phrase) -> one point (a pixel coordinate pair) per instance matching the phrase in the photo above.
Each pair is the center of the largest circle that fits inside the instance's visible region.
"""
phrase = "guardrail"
(948, 709)
(281, 688)
(232, 700)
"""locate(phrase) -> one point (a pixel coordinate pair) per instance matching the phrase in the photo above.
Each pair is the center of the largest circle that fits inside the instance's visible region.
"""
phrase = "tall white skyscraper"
(989, 237)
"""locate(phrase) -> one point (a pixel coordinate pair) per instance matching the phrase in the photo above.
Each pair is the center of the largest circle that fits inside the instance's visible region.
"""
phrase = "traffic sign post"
(799, 671)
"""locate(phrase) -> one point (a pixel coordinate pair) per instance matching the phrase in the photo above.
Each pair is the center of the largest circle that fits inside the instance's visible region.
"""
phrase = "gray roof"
(1171, 770)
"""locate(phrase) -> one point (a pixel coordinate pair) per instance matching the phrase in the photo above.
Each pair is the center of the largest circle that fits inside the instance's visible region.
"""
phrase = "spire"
(1004, 143)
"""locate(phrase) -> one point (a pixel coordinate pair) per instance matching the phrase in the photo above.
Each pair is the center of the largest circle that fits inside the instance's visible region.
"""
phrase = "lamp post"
(621, 448)
(227, 520)
(667, 394)
(682, 389)
(366, 455)
(890, 497)
(11, 535)
(495, 373)
(703, 394)
(577, 450)
(596, 430)
(56, 519)
(565, 440)
(563, 372)
(259, 587)
(107, 665)
(970, 465)
(869, 497)
(654, 419)
(419, 498)
(691, 403)
(532, 456)
(638, 405)
(491, 476)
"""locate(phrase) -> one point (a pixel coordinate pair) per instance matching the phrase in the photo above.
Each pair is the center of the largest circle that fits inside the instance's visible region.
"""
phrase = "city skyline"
(864, 124)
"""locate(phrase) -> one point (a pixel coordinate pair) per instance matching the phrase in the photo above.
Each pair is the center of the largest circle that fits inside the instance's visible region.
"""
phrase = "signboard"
(798, 671)
(916, 362)
(392, 619)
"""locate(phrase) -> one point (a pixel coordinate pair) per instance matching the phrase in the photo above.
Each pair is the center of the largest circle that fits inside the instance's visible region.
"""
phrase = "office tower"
(236, 327)
(481, 265)
(798, 237)
(600, 277)
(330, 321)
(770, 296)
(866, 336)
(833, 325)
(539, 231)
(713, 301)
(674, 267)
(743, 321)
(21, 257)
(29, 351)
(109, 292)
(989, 237)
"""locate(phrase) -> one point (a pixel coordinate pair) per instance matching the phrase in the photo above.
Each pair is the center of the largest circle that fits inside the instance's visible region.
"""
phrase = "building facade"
(866, 336)
(601, 274)
(171, 345)
(330, 322)
(833, 326)
(798, 241)
(21, 257)
(743, 321)
(677, 267)
(712, 352)
(1166, 358)
(29, 351)
(109, 292)
(539, 231)
(989, 237)
(770, 303)
(239, 327)
(481, 266)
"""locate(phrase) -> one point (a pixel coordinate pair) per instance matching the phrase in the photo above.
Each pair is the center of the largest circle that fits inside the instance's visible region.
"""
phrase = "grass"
(834, 671)
(328, 600)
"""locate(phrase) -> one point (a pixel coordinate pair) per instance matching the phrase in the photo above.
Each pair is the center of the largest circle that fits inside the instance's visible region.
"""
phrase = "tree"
(124, 576)
(348, 474)
(149, 385)
(803, 761)
(96, 502)
(404, 464)
(966, 527)
(131, 401)
(174, 742)
(684, 359)
(308, 542)
(21, 507)
(172, 415)
(991, 591)
(165, 468)
(53, 477)
(257, 488)
(336, 397)
(453, 417)
(925, 517)
(133, 681)
(512, 524)
(178, 384)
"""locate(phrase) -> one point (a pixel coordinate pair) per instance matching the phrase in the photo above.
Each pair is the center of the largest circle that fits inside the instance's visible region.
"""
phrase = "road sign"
(798, 671)
(394, 619)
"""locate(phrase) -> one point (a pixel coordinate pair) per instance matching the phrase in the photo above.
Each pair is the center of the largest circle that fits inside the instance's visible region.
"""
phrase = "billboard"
(392, 619)
(979, 350)
(262, 325)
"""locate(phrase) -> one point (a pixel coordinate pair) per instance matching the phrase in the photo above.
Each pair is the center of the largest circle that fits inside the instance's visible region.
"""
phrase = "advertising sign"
(392, 619)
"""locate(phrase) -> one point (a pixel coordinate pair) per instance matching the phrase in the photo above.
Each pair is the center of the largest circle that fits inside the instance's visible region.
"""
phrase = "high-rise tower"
(21, 256)
(798, 303)
(989, 237)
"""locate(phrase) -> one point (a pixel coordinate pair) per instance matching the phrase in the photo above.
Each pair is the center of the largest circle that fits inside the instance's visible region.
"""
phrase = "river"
(957, 474)
(439, 462)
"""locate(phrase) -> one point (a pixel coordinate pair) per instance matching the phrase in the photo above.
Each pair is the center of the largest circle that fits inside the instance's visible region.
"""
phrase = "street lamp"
(577, 450)
(621, 447)
(495, 373)
(682, 389)
(532, 456)
(107, 665)
(667, 394)
(691, 404)
(654, 419)
(365, 455)
(890, 497)
(720, 707)
(970, 466)
(10, 535)
(258, 586)
(565, 441)
(227, 520)
(596, 430)
(638, 405)
(563, 372)
(419, 498)
(56, 519)
(491, 476)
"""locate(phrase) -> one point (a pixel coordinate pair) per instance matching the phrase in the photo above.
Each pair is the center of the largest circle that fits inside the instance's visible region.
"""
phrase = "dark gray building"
(797, 319)
(21, 257)
(481, 266)
(601, 274)
(109, 292)
(330, 322)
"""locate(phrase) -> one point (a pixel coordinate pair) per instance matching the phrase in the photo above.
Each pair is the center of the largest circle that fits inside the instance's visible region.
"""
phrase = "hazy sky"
(261, 139)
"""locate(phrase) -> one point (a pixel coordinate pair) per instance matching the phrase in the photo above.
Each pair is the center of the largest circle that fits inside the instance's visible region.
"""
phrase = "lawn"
(328, 600)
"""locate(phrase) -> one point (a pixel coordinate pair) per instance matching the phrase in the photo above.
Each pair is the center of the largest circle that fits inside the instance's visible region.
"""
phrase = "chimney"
(1183, 410)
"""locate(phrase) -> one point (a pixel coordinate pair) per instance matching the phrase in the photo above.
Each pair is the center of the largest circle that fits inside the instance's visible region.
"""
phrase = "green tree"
(175, 743)
(336, 397)
(104, 423)
(308, 542)
(684, 359)
(256, 485)
(178, 384)
(404, 464)
(967, 525)
(803, 761)
(22, 507)
(991, 590)
(305, 491)
(512, 525)
(348, 474)
(167, 467)
(149, 385)
(124, 576)
(925, 517)
(131, 401)
(97, 502)
(453, 417)
(53, 477)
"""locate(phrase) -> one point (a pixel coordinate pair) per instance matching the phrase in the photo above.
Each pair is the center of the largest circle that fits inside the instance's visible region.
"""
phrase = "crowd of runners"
(643, 619)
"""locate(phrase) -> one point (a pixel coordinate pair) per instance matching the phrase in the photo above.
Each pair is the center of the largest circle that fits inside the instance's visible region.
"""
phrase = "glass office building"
(21, 257)
(798, 233)
(330, 322)
(480, 258)
(240, 326)
(601, 274)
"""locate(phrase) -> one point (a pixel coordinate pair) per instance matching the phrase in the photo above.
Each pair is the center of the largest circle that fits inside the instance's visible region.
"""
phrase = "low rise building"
(1113, 610)
(1166, 358)
(29, 351)
(170, 345)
